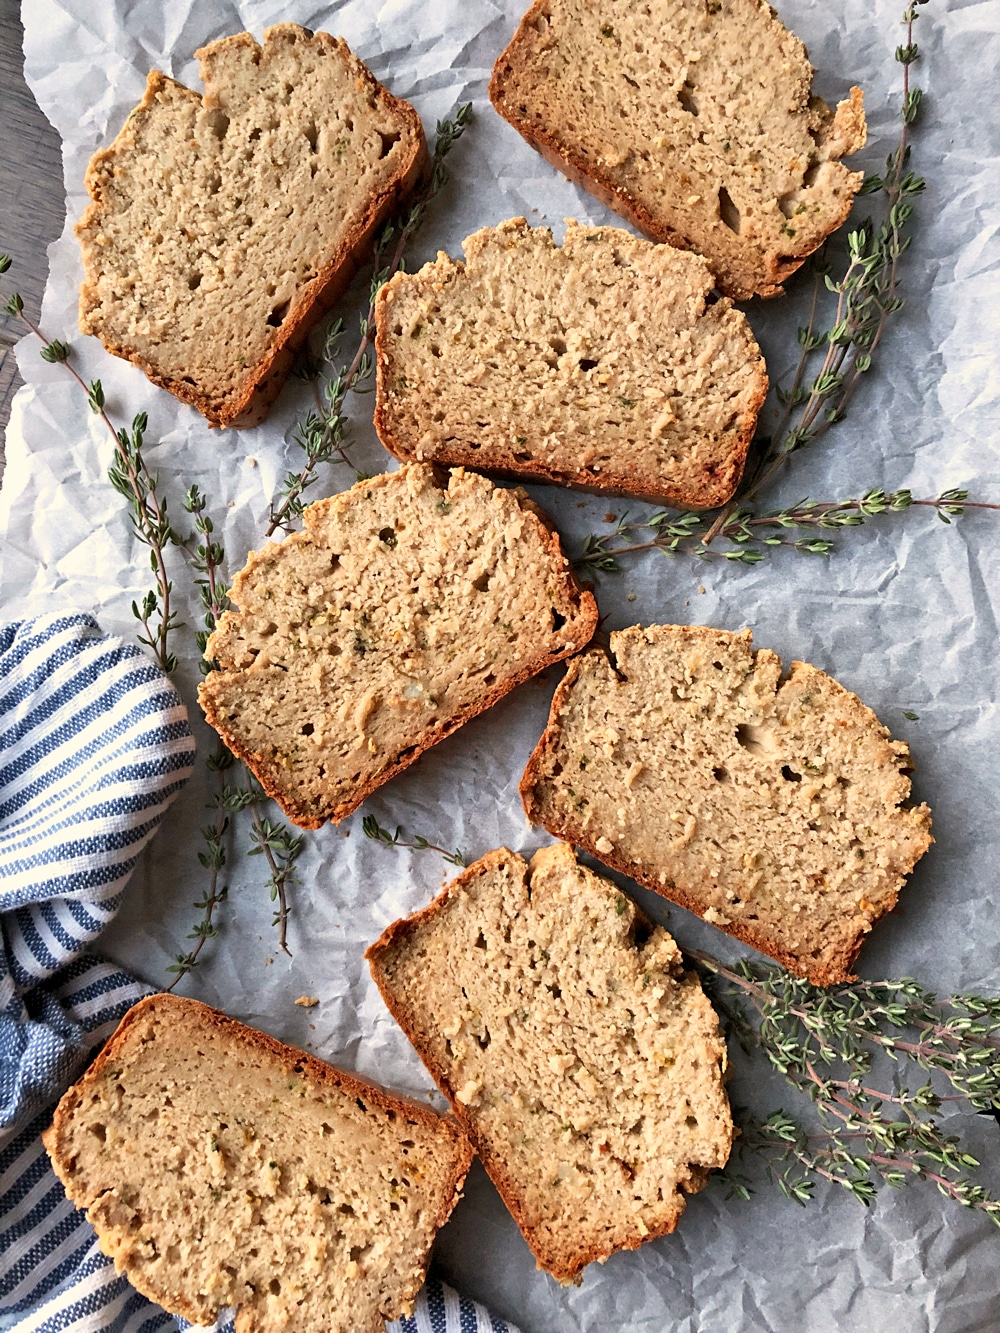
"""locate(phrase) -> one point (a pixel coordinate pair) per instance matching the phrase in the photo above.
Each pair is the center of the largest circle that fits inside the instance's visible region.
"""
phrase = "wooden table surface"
(32, 199)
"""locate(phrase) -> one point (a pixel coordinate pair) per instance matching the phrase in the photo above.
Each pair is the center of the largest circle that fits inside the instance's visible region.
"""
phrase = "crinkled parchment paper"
(905, 614)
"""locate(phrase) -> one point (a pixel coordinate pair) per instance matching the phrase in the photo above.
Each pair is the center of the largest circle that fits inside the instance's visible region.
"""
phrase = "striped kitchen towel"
(94, 745)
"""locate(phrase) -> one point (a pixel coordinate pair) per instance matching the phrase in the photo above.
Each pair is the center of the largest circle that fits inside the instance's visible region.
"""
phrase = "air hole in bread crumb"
(100, 1132)
(720, 774)
(274, 1287)
(387, 535)
(789, 774)
(277, 316)
(480, 941)
(388, 142)
(194, 281)
(218, 122)
(687, 99)
(312, 134)
(728, 211)
(587, 364)
(482, 583)
(484, 1040)
(557, 620)
(307, 729)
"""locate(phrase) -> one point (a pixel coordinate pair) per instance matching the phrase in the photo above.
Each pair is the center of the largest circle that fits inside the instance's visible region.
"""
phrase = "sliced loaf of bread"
(694, 119)
(409, 604)
(597, 363)
(223, 226)
(583, 1061)
(221, 1168)
(776, 809)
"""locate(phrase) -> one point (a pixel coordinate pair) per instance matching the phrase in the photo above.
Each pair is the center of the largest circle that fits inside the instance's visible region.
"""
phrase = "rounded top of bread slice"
(775, 806)
(584, 1062)
(693, 118)
(601, 362)
(408, 605)
(223, 225)
(222, 1168)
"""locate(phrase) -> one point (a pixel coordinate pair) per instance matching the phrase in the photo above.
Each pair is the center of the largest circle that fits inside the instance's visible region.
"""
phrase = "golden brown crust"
(565, 1265)
(582, 172)
(308, 1066)
(835, 970)
(250, 402)
(272, 778)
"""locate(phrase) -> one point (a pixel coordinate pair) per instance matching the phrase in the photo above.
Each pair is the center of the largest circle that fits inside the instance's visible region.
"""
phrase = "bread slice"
(775, 809)
(597, 363)
(583, 1061)
(222, 227)
(409, 604)
(694, 119)
(221, 1168)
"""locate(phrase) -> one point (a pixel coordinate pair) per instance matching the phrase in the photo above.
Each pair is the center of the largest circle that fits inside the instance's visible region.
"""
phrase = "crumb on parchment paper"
(307, 1001)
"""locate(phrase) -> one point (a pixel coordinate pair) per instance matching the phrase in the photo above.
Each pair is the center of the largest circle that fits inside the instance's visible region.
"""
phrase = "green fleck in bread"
(221, 1168)
(410, 604)
(599, 363)
(222, 227)
(583, 1061)
(776, 809)
(694, 119)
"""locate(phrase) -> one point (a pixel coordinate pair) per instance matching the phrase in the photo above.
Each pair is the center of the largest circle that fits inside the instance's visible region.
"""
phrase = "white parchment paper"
(905, 614)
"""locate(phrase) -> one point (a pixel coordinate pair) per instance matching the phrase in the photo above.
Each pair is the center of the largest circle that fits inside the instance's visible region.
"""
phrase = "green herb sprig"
(751, 533)
(323, 434)
(213, 858)
(372, 829)
(133, 480)
(877, 1061)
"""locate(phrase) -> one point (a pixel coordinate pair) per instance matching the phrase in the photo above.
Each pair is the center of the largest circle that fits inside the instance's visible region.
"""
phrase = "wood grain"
(32, 198)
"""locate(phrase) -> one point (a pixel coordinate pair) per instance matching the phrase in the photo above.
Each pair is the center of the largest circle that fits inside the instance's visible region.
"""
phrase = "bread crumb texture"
(693, 118)
(223, 226)
(777, 809)
(221, 1168)
(598, 363)
(408, 605)
(584, 1062)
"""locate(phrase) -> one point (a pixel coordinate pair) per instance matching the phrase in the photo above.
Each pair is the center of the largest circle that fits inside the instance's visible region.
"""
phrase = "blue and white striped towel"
(94, 745)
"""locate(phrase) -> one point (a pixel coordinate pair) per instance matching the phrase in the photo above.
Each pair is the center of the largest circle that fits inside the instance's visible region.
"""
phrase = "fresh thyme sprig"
(132, 479)
(213, 858)
(323, 434)
(372, 829)
(750, 533)
(281, 849)
(855, 1051)
(208, 559)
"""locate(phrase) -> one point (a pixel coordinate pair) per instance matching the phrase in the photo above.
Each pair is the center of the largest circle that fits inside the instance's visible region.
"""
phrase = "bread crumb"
(307, 1001)
(604, 845)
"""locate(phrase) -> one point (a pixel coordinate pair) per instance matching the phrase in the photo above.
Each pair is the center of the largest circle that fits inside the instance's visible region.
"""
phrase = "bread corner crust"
(250, 402)
(739, 286)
